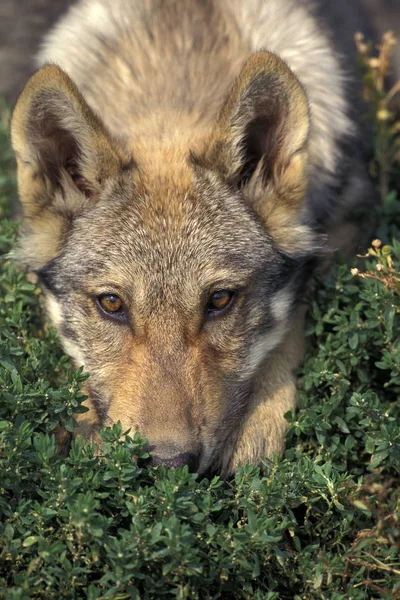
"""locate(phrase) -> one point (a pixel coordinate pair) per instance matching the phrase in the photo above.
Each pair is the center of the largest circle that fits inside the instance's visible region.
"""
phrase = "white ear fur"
(55, 133)
(260, 144)
(64, 153)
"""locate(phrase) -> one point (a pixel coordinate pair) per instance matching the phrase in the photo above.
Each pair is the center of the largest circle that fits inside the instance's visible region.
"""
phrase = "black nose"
(170, 457)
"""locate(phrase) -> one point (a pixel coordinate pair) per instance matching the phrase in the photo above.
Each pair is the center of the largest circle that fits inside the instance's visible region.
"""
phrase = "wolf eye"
(111, 304)
(220, 301)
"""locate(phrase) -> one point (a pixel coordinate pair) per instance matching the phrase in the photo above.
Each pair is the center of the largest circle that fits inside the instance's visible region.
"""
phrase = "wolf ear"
(63, 154)
(260, 141)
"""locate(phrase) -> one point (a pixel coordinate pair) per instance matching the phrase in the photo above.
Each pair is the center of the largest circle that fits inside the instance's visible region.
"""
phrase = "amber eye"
(110, 303)
(219, 301)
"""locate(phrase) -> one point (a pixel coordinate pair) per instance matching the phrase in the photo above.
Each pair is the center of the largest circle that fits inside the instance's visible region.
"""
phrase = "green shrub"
(323, 523)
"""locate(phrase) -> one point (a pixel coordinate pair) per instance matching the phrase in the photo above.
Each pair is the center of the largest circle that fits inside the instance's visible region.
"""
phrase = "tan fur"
(169, 156)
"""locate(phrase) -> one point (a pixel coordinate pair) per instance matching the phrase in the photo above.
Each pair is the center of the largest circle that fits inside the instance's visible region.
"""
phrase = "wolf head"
(170, 270)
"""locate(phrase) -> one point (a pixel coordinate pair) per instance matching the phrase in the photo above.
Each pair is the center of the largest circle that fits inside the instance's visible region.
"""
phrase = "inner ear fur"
(63, 152)
(260, 142)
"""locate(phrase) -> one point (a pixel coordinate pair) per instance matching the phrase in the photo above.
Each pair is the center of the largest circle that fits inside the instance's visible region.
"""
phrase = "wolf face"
(203, 296)
(170, 272)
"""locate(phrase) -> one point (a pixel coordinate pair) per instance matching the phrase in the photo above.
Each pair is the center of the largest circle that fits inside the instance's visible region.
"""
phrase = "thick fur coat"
(183, 165)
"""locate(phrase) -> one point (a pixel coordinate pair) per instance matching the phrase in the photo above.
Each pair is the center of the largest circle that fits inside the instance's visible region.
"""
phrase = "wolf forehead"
(160, 225)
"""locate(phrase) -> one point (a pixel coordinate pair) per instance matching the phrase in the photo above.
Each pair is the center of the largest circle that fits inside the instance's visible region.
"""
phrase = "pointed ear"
(260, 141)
(64, 153)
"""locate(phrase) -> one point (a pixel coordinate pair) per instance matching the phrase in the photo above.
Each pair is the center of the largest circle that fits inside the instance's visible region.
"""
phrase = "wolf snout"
(171, 456)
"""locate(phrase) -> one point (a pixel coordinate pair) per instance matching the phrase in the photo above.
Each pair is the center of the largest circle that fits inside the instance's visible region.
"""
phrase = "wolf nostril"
(179, 460)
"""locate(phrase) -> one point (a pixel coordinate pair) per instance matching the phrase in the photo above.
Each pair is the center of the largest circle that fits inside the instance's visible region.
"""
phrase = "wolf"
(183, 165)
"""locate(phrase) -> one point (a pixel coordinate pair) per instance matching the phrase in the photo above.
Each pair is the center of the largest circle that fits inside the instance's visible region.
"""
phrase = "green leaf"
(353, 341)
(29, 541)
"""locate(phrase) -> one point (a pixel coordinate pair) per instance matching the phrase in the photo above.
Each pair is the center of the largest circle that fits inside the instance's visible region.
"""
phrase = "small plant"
(386, 123)
(384, 270)
(8, 195)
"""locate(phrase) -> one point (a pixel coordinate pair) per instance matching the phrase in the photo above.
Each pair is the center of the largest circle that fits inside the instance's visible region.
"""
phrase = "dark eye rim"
(213, 313)
(119, 315)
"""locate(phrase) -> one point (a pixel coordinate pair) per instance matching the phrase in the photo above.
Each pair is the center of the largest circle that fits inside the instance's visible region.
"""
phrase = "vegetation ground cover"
(323, 523)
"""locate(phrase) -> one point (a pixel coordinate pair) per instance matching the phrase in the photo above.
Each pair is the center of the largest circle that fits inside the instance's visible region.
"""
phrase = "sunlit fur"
(171, 150)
